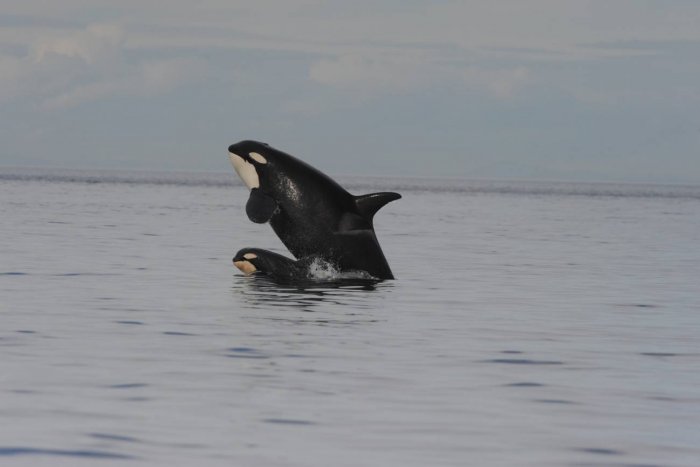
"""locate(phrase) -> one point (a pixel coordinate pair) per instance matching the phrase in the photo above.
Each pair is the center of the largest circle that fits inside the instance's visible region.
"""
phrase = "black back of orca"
(311, 213)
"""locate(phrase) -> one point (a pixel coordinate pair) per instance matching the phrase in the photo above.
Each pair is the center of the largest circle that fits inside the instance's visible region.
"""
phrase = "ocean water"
(530, 324)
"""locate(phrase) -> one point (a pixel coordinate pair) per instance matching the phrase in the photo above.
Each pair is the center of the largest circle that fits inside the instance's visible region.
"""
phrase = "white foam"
(322, 270)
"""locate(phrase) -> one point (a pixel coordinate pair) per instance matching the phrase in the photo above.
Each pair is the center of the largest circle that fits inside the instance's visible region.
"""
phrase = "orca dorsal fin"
(368, 205)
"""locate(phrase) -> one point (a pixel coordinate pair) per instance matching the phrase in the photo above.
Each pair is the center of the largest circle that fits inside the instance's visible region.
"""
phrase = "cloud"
(98, 43)
(397, 73)
(354, 71)
(90, 64)
(493, 47)
(499, 82)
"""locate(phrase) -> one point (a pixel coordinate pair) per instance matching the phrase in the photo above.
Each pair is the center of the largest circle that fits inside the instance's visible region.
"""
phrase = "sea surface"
(530, 324)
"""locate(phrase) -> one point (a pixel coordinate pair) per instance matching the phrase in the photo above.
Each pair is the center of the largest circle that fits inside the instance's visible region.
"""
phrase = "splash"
(322, 270)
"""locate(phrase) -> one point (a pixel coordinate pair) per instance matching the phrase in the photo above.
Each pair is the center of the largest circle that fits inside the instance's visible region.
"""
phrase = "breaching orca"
(310, 212)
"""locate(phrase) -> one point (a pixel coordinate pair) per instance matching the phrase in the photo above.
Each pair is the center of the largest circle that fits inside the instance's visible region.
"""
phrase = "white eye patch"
(250, 256)
(257, 157)
(245, 170)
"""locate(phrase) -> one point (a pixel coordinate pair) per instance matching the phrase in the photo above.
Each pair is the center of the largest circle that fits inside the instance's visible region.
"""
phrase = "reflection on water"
(337, 303)
(261, 291)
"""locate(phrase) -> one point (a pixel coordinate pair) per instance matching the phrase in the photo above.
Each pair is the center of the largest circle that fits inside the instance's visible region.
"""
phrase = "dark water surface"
(531, 324)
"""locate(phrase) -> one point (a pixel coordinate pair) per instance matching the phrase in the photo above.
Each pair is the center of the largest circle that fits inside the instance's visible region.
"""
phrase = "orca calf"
(258, 261)
(310, 212)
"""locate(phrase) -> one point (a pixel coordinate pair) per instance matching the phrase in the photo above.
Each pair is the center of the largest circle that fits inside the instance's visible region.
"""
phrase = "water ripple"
(21, 451)
(523, 361)
(128, 385)
(285, 421)
(111, 437)
(602, 451)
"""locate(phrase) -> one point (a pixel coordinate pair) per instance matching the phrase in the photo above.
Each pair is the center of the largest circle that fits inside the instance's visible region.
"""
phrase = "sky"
(537, 89)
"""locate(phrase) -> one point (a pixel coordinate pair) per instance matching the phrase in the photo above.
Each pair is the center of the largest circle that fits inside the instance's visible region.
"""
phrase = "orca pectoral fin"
(260, 207)
(368, 205)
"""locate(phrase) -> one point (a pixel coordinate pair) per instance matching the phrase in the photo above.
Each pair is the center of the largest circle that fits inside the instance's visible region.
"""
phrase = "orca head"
(261, 168)
(245, 260)
(250, 159)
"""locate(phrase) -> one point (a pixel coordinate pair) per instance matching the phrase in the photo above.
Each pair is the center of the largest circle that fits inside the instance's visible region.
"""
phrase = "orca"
(311, 213)
(258, 261)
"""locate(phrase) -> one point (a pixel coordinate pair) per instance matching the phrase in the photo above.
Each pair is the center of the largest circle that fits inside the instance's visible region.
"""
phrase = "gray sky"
(543, 89)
